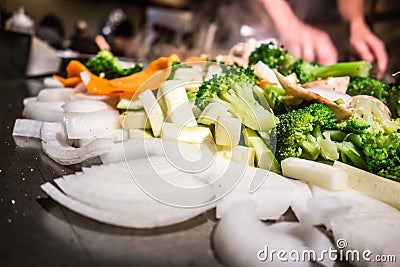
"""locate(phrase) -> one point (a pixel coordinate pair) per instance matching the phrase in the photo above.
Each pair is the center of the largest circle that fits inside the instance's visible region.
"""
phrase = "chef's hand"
(368, 46)
(300, 39)
(309, 43)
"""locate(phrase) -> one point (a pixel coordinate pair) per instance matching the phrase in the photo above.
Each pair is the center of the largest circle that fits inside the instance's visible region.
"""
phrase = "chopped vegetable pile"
(368, 139)
(218, 130)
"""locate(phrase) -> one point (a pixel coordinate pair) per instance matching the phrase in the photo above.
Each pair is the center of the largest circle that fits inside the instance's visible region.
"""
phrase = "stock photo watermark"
(340, 253)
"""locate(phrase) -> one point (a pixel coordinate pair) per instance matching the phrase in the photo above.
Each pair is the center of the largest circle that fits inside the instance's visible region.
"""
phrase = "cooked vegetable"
(306, 71)
(91, 124)
(320, 174)
(158, 71)
(265, 158)
(54, 144)
(372, 185)
(298, 130)
(68, 82)
(337, 84)
(130, 104)
(105, 64)
(368, 139)
(116, 199)
(286, 63)
(393, 99)
(149, 78)
(153, 111)
(265, 73)
(379, 150)
(74, 69)
(54, 95)
(227, 131)
(235, 90)
(304, 95)
(274, 57)
(188, 74)
(368, 86)
(134, 120)
(240, 230)
(44, 111)
(189, 134)
(275, 97)
(27, 128)
(211, 112)
(239, 154)
(83, 105)
(178, 109)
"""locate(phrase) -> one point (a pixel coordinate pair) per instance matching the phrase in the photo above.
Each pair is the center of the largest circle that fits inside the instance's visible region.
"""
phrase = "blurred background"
(146, 29)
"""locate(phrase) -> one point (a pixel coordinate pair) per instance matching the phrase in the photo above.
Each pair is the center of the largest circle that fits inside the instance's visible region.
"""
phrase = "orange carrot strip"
(134, 82)
(98, 85)
(264, 82)
(75, 68)
(68, 82)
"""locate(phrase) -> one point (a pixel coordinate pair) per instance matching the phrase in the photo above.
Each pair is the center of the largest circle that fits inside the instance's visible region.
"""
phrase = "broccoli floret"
(235, 89)
(378, 146)
(274, 57)
(286, 63)
(105, 63)
(309, 71)
(298, 131)
(381, 152)
(368, 86)
(393, 97)
(354, 124)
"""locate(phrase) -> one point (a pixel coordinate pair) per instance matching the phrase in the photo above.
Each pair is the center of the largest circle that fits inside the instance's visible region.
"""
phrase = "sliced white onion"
(118, 194)
(44, 111)
(123, 198)
(23, 132)
(110, 100)
(240, 239)
(80, 88)
(299, 202)
(97, 124)
(51, 82)
(29, 99)
(326, 207)
(359, 203)
(55, 95)
(82, 105)
(120, 135)
(271, 200)
(54, 144)
(27, 128)
(134, 149)
(161, 215)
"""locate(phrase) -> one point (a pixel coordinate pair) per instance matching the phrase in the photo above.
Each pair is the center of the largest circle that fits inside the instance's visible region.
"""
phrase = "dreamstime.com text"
(340, 254)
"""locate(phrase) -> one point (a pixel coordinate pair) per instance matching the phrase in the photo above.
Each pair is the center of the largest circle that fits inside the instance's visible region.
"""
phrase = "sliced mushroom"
(338, 84)
(298, 91)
